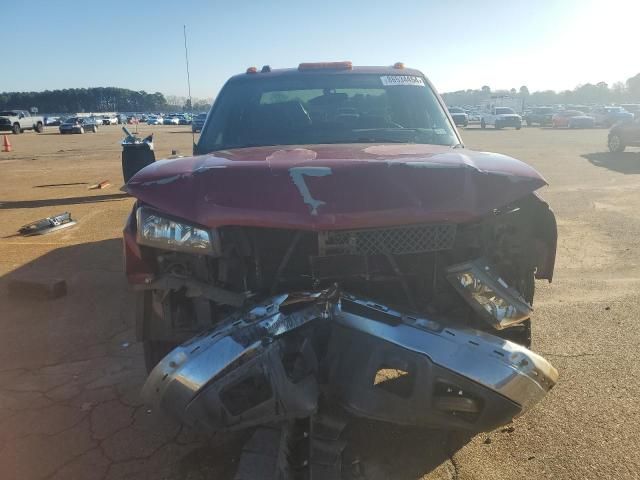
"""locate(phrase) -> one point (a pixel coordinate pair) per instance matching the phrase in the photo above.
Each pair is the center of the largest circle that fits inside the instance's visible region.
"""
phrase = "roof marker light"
(252, 70)
(325, 66)
(398, 65)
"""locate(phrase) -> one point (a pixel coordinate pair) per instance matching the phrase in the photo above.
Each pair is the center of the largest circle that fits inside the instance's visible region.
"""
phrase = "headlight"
(156, 230)
(499, 304)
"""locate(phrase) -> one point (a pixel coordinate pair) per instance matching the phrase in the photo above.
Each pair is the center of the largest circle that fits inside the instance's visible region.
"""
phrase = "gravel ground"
(70, 369)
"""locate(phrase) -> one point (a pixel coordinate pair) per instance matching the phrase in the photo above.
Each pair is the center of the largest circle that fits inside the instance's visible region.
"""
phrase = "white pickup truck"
(501, 117)
(17, 121)
(109, 120)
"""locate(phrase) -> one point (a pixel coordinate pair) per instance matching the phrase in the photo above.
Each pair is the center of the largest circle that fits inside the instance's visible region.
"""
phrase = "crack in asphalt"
(68, 462)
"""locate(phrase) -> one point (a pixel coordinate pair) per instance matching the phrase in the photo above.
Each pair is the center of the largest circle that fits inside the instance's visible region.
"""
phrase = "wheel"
(81, 129)
(16, 129)
(518, 128)
(148, 319)
(39, 127)
(483, 124)
(615, 143)
(496, 126)
(154, 351)
(94, 129)
(529, 123)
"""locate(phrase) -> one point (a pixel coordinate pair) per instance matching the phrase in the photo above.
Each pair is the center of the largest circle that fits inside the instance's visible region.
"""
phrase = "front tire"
(16, 129)
(81, 129)
(154, 351)
(615, 144)
(148, 319)
(483, 125)
(94, 129)
(39, 127)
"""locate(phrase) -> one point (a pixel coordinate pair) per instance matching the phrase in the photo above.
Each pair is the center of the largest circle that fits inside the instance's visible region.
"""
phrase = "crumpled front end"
(277, 360)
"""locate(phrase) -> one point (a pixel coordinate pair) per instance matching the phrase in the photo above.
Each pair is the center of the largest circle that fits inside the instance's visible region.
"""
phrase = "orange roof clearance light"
(326, 66)
(252, 70)
(398, 65)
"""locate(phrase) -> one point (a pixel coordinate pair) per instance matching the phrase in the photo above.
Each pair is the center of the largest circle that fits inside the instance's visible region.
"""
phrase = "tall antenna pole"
(186, 59)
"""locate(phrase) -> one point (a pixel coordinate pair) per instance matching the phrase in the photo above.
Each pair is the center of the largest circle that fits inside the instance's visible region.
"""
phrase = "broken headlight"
(156, 230)
(488, 294)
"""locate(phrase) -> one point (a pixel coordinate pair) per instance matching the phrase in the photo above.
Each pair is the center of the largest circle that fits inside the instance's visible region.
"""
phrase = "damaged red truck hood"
(337, 186)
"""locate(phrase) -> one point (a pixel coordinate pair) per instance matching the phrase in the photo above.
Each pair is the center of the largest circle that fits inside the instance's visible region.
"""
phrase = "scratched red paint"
(368, 186)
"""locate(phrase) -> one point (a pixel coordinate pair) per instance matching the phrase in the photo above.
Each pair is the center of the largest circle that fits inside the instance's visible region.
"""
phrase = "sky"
(462, 44)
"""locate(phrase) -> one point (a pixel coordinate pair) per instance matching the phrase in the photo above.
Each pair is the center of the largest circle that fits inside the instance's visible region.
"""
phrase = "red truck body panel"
(336, 186)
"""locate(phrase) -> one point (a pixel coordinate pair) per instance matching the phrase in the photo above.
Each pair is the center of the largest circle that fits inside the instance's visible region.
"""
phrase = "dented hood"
(323, 187)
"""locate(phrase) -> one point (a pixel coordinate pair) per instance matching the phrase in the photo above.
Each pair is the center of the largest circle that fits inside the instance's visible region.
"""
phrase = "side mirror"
(21, 115)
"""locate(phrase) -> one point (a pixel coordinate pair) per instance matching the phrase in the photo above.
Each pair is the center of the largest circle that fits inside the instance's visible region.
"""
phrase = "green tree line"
(599, 93)
(77, 100)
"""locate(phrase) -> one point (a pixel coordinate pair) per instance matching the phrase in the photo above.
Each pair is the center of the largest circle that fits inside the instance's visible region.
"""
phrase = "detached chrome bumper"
(504, 367)
(264, 366)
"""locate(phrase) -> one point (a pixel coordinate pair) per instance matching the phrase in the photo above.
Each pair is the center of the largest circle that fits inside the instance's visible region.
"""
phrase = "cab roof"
(354, 70)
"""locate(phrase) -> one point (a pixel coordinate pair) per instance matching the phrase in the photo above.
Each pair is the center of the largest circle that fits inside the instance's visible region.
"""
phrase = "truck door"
(25, 120)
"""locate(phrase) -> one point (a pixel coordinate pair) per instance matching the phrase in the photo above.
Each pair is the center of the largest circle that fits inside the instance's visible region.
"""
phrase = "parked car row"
(557, 116)
(82, 124)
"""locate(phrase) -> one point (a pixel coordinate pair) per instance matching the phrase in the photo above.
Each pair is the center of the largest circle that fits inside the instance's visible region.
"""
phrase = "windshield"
(71, 120)
(8, 114)
(456, 110)
(325, 108)
(504, 111)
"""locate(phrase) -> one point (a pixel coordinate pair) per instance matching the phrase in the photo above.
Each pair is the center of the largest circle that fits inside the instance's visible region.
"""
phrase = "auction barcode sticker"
(389, 80)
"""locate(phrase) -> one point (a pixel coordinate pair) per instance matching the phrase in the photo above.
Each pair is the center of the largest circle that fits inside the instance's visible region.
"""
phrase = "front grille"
(398, 240)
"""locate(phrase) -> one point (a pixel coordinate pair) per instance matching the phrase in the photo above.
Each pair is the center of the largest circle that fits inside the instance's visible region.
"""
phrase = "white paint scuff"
(297, 174)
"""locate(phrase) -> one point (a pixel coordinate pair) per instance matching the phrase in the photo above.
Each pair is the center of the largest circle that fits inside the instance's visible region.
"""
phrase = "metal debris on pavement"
(47, 225)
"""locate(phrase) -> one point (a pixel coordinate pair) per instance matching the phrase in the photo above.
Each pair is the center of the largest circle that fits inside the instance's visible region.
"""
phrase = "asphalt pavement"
(70, 369)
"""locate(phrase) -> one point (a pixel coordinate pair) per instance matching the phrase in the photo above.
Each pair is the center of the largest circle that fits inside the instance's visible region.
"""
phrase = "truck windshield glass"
(319, 109)
(8, 114)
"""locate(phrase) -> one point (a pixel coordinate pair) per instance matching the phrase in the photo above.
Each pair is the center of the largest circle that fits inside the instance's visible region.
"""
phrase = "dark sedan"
(460, 117)
(539, 115)
(79, 125)
(624, 135)
(198, 122)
